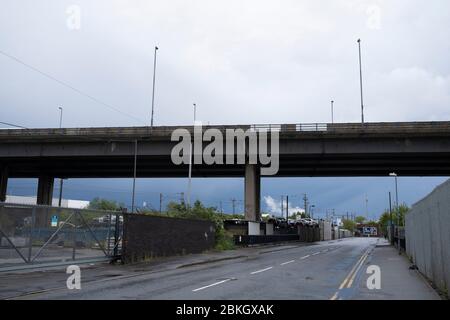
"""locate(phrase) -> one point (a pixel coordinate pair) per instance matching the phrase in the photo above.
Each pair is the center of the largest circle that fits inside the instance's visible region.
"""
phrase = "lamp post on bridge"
(332, 111)
(153, 92)
(360, 82)
(61, 180)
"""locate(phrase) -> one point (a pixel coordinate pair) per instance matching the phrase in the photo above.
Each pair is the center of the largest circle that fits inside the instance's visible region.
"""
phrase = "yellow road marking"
(348, 281)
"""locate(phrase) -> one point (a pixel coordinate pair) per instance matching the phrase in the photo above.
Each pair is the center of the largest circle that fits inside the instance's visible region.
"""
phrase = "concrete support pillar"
(252, 191)
(45, 190)
(3, 184)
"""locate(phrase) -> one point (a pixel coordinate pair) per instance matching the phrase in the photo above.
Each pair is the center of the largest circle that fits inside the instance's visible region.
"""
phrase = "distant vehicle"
(280, 222)
(309, 221)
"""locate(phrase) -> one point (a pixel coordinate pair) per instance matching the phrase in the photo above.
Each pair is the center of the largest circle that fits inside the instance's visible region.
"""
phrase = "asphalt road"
(329, 270)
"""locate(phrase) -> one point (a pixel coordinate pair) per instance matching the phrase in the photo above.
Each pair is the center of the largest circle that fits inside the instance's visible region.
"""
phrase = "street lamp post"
(360, 82)
(134, 175)
(393, 174)
(153, 92)
(61, 180)
(391, 225)
(190, 164)
(332, 111)
(60, 116)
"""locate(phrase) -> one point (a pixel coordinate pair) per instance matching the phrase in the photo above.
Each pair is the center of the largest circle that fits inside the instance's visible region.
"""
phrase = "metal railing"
(32, 235)
(126, 132)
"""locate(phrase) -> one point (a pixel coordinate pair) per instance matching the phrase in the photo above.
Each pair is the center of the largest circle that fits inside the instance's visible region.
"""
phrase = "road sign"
(370, 231)
(54, 221)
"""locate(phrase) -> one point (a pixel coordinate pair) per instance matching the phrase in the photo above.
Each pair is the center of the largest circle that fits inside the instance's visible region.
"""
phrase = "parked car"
(309, 221)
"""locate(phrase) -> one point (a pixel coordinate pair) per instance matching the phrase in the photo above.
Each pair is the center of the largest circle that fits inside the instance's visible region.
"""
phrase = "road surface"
(327, 270)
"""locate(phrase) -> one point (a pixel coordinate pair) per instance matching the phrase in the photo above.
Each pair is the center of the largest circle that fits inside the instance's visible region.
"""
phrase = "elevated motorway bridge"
(305, 150)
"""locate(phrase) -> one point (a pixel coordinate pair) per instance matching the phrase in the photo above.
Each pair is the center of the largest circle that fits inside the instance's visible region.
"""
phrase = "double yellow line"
(348, 281)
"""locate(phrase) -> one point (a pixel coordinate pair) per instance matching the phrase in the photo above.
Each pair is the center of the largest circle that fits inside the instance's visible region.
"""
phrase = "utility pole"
(220, 204)
(305, 201)
(367, 207)
(287, 208)
(160, 202)
(60, 191)
(233, 201)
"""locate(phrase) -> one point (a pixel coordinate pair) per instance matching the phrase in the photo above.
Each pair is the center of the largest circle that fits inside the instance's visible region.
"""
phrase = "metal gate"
(35, 236)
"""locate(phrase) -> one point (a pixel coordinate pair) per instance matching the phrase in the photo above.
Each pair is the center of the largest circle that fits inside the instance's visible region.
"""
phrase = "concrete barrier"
(325, 230)
(427, 233)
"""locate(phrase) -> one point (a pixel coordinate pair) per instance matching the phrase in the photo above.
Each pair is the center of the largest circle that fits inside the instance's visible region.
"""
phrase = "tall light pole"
(134, 175)
(195, 111)
(367, 207)
(190, 163)
(393, 174)
(391, 225)
(360, 82)
(60, 116)
(61, 180)
(153, 93)
(332, 111)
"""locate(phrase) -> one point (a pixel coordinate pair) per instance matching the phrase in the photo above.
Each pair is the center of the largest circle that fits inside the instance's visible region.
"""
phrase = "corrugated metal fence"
(428, 235)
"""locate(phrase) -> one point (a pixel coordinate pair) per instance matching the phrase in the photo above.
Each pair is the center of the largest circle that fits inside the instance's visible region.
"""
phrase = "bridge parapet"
(307, 129)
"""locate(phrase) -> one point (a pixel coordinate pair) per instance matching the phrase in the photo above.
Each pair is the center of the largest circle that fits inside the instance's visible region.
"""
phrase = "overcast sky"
(240, 61)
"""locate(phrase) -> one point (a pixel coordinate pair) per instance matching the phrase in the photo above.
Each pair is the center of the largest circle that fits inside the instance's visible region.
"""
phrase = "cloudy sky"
(240, 61)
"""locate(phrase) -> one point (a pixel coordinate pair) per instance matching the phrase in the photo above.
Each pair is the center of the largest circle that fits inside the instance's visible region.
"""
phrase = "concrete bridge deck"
(344, 149)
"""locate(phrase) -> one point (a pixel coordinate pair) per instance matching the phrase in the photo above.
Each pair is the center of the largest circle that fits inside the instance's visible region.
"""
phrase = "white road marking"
(262, 270)
(211, 285)
(304, 257)
(287, 262)
(315, 253)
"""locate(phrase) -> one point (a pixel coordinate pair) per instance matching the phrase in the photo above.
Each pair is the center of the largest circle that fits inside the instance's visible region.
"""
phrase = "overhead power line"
(13, 125)
(70, 86)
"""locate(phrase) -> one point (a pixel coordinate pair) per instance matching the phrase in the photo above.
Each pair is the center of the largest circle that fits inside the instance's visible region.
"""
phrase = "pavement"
(323, 270)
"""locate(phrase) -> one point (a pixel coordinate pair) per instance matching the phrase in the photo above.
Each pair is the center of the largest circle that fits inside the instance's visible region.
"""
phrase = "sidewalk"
(398, 282)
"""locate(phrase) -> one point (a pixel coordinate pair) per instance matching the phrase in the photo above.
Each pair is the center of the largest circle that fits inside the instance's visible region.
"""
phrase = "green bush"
(224, 240)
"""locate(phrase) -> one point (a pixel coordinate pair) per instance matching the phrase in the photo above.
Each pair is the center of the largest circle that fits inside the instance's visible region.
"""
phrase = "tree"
(349, 224)
(105, 204)
(360, 219)
(397, 213)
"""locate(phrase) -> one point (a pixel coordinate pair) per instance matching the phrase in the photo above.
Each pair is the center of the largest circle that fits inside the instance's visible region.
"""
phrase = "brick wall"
(147, 237)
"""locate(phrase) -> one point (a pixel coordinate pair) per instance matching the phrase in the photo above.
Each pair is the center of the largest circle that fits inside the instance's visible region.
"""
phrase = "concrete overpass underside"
(336, 165)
